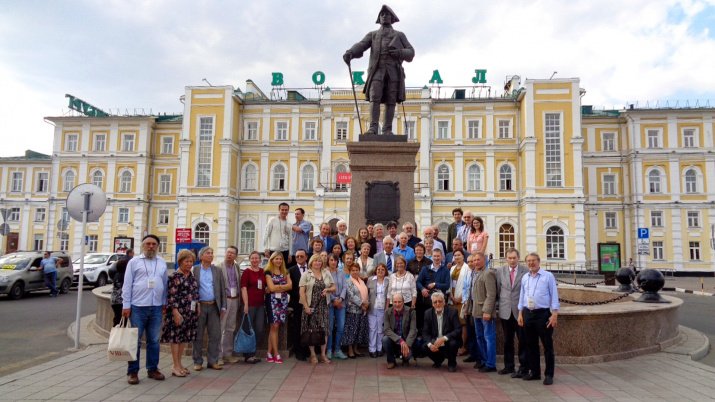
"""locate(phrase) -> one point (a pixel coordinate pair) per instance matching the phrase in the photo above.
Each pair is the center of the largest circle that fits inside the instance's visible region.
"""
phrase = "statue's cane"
(352, 85)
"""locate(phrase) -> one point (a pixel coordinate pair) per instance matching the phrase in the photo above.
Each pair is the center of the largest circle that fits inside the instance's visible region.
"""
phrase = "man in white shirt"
(277, 236)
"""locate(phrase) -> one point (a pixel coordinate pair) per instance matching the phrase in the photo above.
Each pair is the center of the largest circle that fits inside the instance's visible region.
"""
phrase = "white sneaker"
(220, 362)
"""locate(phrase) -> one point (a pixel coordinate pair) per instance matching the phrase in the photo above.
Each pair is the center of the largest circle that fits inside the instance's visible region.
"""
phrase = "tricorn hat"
(385, 7)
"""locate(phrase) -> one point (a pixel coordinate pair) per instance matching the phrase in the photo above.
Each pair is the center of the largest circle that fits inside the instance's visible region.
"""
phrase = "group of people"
(401, 296)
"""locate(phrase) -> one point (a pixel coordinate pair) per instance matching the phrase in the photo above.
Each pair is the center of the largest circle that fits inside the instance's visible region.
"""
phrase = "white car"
(96, 266)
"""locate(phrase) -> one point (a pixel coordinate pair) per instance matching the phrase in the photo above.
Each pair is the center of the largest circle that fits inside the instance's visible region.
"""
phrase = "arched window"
(201, 232)
(308, 178)
(443, 228)
(443, 178)
(249, 178)
(474, 178)
(507, 239)
(68, 180)
(125, 182)
(248, 238)
(334, 227)
(340, 186)
(98, 178)
(505, 182)
(691, 181)
(279, 178)
(555, 243)
(654, 181)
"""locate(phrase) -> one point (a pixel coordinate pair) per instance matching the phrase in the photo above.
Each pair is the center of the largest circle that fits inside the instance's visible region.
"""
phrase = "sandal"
(324, 360)
(313, 360)
(252, 360)
(461, 352)
(179, 374)
(185, 371)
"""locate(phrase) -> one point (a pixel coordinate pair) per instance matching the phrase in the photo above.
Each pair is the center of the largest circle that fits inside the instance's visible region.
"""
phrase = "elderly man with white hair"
(428, 233)
(442, 333)
(342, 233)
(212, 297)
(388, 255)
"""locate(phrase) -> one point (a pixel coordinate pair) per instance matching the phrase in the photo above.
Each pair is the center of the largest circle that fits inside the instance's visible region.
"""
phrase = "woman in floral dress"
(278, 283)
(315, 284)
(181, 320)
(356, 331)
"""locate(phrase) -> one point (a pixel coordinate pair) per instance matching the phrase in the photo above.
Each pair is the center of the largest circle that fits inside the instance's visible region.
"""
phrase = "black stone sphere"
(651, 281)
(625, 276)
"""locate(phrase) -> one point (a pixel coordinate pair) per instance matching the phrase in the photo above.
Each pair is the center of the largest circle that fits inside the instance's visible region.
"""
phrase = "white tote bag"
(123, 342)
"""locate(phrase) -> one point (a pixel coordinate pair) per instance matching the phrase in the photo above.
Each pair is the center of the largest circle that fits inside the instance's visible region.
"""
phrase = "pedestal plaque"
(382, 201)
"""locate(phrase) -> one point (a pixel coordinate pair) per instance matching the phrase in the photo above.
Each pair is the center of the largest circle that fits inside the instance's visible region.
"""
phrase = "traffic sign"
(643, 241)
(4, 229)
(63, 225)
(183, 235)
(643, 233)
(643, 249)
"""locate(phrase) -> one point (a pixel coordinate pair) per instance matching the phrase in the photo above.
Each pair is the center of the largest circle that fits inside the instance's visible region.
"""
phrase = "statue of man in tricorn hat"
(385, 75)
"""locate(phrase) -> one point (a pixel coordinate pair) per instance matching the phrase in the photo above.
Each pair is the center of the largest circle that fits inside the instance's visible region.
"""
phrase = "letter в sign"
(277, 79)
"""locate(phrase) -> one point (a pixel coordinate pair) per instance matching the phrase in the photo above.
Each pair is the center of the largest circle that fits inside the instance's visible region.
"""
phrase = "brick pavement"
(87, 375)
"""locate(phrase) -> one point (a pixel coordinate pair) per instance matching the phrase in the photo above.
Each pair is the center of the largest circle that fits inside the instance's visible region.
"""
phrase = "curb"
(693, 343)
(688, 291)
(87, 336)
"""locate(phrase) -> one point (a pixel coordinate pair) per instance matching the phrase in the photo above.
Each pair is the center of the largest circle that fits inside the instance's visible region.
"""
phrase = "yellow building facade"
(544, 172)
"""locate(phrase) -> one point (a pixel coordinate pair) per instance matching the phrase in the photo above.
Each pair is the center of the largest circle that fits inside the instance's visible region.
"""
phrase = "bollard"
(625, 276)
(651, 281)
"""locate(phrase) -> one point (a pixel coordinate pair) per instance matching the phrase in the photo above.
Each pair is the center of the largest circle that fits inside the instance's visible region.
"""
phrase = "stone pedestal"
(382, 161)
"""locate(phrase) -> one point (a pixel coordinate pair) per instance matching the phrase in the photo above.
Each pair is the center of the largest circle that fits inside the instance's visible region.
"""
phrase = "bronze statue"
(385, 75)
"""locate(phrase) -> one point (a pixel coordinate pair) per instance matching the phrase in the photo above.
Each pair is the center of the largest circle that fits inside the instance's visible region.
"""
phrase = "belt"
(536, 310)
(232, 298)
(208, 302)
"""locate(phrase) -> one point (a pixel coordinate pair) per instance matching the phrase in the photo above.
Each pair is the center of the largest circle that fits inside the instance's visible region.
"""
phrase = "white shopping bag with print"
(123, 342)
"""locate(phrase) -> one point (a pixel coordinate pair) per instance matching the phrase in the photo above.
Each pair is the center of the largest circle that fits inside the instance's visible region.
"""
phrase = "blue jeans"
(50, 280)
(487, 340)
(339, 315)
(146, 319)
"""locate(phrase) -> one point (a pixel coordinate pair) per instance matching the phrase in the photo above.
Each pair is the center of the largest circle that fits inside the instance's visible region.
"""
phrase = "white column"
(459, 172)
(458, 123)
(531, 229)
(265, 176)
(266, 126)
(491, 174)
(674, 180)
(580, 224)
(676, 233)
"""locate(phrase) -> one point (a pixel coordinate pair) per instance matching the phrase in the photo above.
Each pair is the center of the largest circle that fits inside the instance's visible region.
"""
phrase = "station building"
(546, 173)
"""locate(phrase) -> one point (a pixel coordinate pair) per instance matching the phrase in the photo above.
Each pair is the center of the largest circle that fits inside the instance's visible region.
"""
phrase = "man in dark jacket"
(301, 352)
(442, 333)
(400, 329)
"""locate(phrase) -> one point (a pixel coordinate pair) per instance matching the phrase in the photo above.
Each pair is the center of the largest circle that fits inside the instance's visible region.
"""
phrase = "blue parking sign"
(643, 233)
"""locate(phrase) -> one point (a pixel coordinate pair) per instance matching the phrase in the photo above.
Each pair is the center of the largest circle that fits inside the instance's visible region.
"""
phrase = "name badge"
(193, 305)
(260, 284)
(277, 296)
(530, 303)
(379, 304)
(234, 292)
(151, 283)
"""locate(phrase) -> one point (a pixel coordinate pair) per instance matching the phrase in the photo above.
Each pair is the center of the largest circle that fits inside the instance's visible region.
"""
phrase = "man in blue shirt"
(402, 247)
(48, 266)
(143, 299)
(538, 314)
(325, 237)
(301, 232)
(212, 296)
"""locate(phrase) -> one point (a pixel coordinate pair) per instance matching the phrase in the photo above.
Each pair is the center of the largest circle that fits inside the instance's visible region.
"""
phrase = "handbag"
(123, 342)
(312, 337)
(245, 341)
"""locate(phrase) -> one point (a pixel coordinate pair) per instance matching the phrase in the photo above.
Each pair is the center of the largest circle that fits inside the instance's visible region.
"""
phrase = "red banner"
(183, 236)
(344, 178)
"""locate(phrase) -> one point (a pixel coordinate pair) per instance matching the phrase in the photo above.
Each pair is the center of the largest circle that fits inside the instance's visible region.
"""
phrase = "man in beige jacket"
(232, 277)
(484, 295)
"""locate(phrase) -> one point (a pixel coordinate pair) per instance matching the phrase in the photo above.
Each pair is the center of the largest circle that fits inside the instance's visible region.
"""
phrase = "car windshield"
(13, 262)
(93, 259)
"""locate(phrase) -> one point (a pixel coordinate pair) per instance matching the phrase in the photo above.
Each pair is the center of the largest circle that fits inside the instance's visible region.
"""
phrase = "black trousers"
(117, 308)
(511, 328)
(393, 350)
(299, 351)
(534, 330)
(448, 351)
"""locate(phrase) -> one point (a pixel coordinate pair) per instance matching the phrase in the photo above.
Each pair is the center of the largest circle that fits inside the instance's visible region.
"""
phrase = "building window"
(552, 144)
(609, 184)
(309, 131)
(17, 181)
(65, 243)
(507, 239)
(249, 177)
(13, 215)
(38, 242)
(248, 238)
(279, 178)
(93, 243)
(689, 138)
(609, 142)
(555, 243)
(473, 129)
(611, 220)
(123, 215)
(100, 141)
(505, 178)
(654, 182)
(410, 130)
(206, 131)
(125, 182)
(282, 131)
(163, 217)
(72, 142)
(341, 131)
(98, 178)
(43, 182)
(474, 178)
(653, 138)
(658, 250)
(165, 184)
(442, 130)
(127, 142)
(443, 178)
(504, 129)
(656, 219)
(340, 186)
(162, 244)
(167, 145)
(65, 214)
(308, 178)
(252, 131)
(693, 219)
(691, 181)
(695, 250)
(201, 232)
(68, 181)
(40, 214)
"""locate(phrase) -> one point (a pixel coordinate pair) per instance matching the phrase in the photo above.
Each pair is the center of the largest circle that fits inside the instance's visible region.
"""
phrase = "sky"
(133, 54)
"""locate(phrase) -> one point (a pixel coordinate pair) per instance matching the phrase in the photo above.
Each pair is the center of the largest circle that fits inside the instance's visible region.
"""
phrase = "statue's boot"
(374, 119)
(387, 123)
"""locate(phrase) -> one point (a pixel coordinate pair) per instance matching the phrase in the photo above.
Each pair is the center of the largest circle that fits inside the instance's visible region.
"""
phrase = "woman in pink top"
(478, 237)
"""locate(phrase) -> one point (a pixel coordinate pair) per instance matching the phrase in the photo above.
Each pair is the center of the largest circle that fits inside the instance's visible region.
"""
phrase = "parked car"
(20, 273)
(96, 268)
(246, 263)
